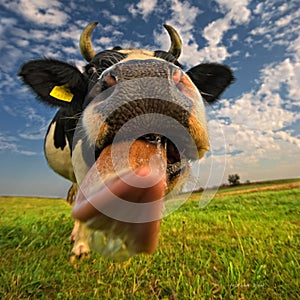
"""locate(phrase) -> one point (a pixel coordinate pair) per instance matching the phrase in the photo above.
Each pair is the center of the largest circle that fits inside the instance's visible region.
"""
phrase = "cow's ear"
(55, 82)
(211, 79)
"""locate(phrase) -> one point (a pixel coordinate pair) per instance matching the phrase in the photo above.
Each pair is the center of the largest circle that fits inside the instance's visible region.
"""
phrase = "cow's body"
(118, 86)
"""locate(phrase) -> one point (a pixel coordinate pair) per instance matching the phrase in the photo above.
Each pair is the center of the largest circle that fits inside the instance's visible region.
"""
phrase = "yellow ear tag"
(62, 92)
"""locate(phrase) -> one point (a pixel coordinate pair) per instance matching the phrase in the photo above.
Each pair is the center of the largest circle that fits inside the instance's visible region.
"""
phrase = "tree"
(234, 179)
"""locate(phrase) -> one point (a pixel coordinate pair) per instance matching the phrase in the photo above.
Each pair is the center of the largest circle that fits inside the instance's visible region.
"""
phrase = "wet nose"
(134, 69)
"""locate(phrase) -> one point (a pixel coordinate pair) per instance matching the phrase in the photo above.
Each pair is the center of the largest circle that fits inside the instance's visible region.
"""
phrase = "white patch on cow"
(59, 160)
(93, 123)
(80, 167)
(139, 54)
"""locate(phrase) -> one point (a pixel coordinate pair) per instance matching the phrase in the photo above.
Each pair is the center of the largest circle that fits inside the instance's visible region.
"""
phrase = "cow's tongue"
(121, 199)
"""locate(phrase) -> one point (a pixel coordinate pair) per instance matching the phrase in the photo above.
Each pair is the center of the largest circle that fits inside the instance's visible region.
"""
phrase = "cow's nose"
(135, 69)
(176, 75)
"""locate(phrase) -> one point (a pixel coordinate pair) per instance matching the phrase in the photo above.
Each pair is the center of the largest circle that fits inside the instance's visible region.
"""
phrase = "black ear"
(211, 79)
(55, 82)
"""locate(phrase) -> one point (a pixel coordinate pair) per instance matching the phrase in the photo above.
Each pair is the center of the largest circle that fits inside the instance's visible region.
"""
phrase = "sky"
(254, 127)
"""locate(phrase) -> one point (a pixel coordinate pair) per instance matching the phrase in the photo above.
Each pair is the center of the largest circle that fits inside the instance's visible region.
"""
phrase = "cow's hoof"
(79, 252)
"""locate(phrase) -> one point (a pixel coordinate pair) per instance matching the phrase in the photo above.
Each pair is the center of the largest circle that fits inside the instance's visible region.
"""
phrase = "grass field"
(241, 246)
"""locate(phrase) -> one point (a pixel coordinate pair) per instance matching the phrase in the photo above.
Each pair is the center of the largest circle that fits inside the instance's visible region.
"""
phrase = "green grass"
(239, 247)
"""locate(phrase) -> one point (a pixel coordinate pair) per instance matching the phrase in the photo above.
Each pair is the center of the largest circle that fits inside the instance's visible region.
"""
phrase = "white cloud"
(144, 8)
(236, 13)
(183, 17)
(6, 23)
(236, 10)
(255, 134)
(284, 21)
(258, 144)
(114, 18)
(105, 41)
(212, 54)
(48, 13)
(277, 26)
(283, 7)
(118, 19)
(35, 126)
(7, 82)
(259, 8)
(285, 136)
(259, 31)
(294, 48)
(284, 73)
(214, 31)
(10, 144)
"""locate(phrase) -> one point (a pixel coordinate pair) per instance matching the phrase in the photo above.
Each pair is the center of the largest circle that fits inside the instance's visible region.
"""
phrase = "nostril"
(177, 76)
(110, 78)
(184, 84)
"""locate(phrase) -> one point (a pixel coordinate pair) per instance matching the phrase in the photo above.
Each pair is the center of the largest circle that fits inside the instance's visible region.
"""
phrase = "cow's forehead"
(138, 54)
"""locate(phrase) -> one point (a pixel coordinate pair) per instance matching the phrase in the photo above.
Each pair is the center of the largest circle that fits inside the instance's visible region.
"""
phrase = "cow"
(134, 101)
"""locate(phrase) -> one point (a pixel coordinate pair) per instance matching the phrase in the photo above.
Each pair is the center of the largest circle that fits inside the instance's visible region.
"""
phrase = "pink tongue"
(126, 207)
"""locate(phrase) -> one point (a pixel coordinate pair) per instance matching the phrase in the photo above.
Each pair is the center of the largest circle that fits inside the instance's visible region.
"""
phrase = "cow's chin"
(121, 199)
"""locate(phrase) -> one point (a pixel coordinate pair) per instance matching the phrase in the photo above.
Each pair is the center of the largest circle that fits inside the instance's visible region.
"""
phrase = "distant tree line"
(234, 179)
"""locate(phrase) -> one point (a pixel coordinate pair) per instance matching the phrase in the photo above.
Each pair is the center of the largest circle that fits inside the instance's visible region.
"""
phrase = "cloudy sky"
(255, 127)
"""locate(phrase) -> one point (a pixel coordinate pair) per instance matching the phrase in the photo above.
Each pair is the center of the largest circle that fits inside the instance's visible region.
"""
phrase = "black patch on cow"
(211, 79)
(117, 48)
(104, 60)
(43, 75)
(65, 126)
(59, 131)
(90, 152)
(167, 56)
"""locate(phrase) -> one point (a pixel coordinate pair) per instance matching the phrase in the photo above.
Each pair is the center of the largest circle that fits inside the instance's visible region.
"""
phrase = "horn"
(176, 42)
(85, 43)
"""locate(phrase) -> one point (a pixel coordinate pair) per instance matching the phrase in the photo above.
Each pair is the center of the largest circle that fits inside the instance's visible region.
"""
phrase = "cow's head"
(144, 104)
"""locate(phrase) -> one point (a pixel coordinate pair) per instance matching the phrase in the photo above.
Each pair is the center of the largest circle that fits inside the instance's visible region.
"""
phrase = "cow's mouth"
(176, 160)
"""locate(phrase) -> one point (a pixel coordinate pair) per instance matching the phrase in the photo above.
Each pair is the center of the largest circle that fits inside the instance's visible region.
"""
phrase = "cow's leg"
(81, 247)
(72, 193)
(74, 231)
(80, 233)
(71, 199)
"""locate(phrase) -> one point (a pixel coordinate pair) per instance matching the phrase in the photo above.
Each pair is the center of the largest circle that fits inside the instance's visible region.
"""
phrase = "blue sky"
(256, 122)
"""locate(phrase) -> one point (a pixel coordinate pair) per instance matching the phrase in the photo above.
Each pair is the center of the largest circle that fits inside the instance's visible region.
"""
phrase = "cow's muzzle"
(146, 97)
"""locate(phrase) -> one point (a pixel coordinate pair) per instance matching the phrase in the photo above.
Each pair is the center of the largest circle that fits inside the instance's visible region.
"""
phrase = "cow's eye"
(90, 70)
